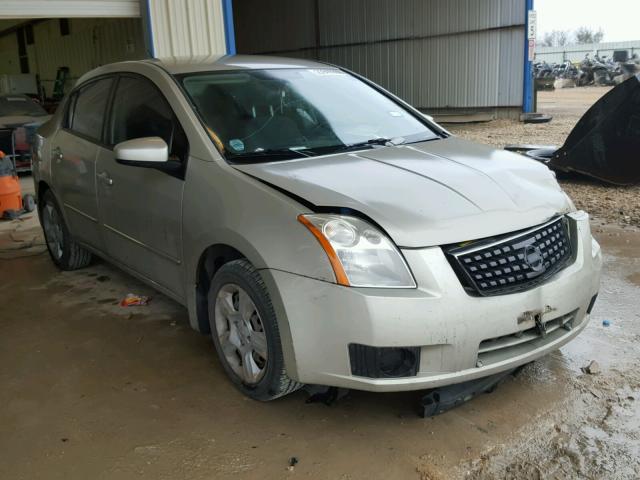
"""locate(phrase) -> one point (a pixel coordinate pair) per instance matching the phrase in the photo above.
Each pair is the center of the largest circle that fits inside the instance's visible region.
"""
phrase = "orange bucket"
(10, 193)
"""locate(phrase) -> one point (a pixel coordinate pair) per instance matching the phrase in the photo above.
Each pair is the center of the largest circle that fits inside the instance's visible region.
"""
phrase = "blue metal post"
(229, 31)
(527, 99)
(147, 28)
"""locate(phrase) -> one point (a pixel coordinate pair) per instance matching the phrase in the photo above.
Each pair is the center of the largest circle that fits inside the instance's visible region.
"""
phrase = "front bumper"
(318, 320)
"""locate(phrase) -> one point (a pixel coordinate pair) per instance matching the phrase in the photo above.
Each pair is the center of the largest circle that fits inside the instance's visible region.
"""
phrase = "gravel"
(610, 204)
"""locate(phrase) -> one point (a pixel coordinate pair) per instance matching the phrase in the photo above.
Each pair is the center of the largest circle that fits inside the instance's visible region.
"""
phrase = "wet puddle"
(593, 429)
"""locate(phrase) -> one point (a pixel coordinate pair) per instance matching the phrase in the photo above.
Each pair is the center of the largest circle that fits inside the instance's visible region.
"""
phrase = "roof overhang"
(69, 8)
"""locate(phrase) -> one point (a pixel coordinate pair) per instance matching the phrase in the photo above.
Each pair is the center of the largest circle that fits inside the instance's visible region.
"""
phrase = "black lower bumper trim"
(440, 400)
(592, 303)
(384, 362)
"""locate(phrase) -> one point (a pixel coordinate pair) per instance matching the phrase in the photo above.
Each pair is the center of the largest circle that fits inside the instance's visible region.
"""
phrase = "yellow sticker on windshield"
(215, 139)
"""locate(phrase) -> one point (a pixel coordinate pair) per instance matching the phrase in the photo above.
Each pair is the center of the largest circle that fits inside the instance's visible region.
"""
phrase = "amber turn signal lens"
(338, 270)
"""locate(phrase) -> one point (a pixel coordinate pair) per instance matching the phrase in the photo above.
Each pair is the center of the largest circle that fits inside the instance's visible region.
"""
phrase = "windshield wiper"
(271, 154)
(385, 142)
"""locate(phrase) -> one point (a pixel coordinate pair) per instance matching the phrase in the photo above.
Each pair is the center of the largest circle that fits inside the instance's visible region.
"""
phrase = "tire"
(28, 203)
(537, 118)
(64, 251)
(245, 332)
(601, 78)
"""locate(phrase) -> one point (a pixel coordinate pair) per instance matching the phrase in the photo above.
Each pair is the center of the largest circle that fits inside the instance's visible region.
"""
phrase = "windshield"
(265, 115)
(19, 105)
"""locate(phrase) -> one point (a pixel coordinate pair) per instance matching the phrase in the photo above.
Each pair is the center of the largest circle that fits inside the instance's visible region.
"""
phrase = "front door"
(140, 209)
(73, 159)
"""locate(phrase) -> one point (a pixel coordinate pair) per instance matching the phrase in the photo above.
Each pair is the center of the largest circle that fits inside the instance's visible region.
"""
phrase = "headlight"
(595, 248)
(572, 207)
(361, 256)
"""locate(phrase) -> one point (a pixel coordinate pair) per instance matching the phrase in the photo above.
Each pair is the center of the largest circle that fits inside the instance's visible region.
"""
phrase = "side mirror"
(142, 152)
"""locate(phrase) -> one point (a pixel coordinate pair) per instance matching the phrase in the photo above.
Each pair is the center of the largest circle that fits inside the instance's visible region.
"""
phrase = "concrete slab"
(94, 390)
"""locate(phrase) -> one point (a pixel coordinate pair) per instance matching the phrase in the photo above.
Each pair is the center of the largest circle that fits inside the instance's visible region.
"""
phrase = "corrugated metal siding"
(9, 62)
(435, 54)
(187, 27)
(91, 43)
(575, 53)
(274, 26)
(443, 72)
(355, 21)
(69, 8)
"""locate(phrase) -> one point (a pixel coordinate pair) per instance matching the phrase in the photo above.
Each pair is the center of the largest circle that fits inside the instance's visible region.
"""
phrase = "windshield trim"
(247, 160)
(229, 158)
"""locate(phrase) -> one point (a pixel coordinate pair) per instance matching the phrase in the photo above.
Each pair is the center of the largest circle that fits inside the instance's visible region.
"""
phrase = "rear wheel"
(245, 332)
(64, 251)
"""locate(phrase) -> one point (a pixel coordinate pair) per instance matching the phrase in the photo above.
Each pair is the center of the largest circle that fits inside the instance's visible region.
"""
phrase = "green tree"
(556, 38)
(587, 35)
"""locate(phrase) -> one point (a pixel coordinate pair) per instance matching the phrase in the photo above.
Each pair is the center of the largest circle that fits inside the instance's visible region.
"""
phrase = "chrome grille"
(513, 262)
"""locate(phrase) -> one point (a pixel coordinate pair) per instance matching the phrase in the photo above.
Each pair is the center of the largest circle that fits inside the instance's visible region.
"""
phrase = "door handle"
(57, 154)
(106, 179)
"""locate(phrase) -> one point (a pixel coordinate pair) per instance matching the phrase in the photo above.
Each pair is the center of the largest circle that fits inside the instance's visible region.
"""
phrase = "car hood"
(431, 193)
(14, 121)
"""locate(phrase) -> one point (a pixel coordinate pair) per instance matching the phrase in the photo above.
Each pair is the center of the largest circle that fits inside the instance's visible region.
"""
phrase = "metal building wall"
(9, 61)
(575, 53)
(274, 25)
(91, 43)
(186, 27)
(437, 55)
(175, 28)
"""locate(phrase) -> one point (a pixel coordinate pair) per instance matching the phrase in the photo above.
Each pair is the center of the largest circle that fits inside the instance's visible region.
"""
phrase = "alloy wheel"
(241, 333)
(53, 232)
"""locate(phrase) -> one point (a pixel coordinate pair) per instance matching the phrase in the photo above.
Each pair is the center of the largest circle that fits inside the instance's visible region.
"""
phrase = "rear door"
(141, 208)
(73, 159)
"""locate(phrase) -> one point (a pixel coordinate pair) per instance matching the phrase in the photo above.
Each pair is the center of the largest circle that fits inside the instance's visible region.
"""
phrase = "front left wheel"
(245, 332)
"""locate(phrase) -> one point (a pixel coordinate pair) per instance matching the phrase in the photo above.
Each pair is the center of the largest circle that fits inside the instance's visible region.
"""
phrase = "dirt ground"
(619, 205)
(92, 390)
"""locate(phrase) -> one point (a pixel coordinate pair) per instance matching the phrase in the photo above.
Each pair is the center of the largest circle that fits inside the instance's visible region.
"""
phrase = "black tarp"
(605, 143)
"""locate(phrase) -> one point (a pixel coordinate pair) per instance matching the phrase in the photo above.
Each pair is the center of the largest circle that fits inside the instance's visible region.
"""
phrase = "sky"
(619, 19)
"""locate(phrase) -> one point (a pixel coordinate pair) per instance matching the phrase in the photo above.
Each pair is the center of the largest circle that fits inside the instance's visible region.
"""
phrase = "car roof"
(180, 65)
(185, 65)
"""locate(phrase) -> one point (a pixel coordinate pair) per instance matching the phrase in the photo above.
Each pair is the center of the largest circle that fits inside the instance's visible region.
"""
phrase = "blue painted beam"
(527, 96)
(147, 28)
(229, 30)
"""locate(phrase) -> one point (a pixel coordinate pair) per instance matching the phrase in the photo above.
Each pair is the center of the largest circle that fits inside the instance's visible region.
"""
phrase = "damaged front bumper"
(452, 336)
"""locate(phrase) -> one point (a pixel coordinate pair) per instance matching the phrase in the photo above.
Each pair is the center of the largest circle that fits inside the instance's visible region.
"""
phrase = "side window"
(140, 110)
(89, 109)
(68, 114)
